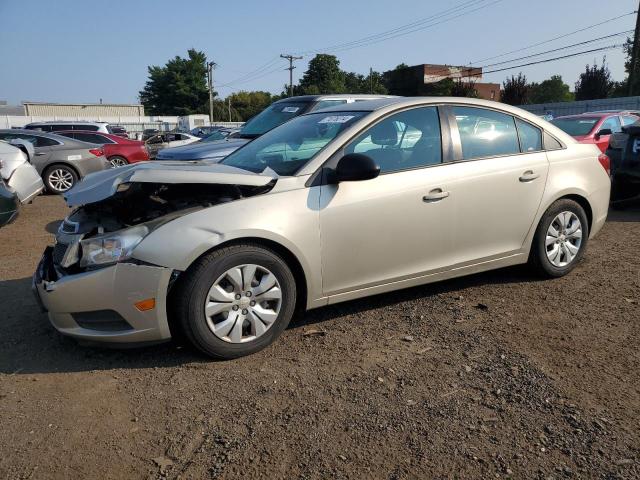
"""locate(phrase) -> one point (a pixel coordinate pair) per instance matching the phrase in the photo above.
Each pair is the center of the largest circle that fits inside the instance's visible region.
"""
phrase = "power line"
(394, 30)
(366, 44)
(470, 69)
(555, 38)
(610, 47)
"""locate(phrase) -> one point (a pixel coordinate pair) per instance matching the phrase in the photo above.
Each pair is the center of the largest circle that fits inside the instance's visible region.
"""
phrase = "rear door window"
(486, 133)
(530, 136)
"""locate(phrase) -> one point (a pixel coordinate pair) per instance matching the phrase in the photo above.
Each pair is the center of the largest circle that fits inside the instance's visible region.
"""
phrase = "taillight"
(98, 152)
(605, 162)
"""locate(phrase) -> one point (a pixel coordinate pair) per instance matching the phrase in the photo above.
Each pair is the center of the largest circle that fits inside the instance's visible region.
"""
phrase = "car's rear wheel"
(235, 301)
(60, 178)
(560, 239)
(118, 161)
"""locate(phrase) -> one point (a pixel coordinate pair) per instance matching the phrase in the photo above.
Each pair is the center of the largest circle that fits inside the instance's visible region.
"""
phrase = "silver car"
(331, 206)
(17, 172)
(61, 161)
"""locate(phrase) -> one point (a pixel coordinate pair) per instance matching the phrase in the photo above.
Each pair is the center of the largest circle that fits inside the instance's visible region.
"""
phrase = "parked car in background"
(624, 152)
(336, 204)
(18, 174)
(103, 127)
(595, 128)
(276, 114)
(61, 161)
(165, 140)
(206, 131)
(119, 131)
(221, 134)
(118, 150)
(8, 204)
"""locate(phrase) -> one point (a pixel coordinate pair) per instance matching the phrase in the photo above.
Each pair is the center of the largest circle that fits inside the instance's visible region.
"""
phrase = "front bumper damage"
(99, 305)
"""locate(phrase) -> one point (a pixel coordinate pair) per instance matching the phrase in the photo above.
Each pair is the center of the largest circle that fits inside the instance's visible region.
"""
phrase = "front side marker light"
(146, 305)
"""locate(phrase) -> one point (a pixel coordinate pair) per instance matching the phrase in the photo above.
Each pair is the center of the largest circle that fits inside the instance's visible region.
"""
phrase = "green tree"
(463, 89)
(515, 90)
(550, 91)
(178, 88)
(248, 104)
(322, 76)
(595, 82)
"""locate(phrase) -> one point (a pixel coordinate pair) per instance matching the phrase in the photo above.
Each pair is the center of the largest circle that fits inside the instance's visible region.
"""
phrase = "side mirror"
(354, 167)
(603, 132)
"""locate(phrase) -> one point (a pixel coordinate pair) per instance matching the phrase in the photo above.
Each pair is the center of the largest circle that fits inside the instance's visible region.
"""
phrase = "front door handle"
(38, 154)
(435, 195)
(528, 176)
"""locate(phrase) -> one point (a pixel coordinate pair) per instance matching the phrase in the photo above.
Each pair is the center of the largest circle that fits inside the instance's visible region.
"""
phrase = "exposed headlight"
(112, 247)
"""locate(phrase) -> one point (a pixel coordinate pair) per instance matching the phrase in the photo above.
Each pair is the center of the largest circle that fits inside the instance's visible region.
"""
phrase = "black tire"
(118, 161)
(50, 174)
(538, 259)
(189, 299)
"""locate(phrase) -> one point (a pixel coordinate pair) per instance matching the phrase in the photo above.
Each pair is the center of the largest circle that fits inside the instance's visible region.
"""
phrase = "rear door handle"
(435, 195)
(528, 176)
(40, 153)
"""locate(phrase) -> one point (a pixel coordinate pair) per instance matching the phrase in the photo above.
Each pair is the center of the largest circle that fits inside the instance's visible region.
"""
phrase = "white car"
(17, 172)
(166, 140)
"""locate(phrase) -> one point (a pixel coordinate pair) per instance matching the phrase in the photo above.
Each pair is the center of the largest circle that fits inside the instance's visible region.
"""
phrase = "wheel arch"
(288, 256)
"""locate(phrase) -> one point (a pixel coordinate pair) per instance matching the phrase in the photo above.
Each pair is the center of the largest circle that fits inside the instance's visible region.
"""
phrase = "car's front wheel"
(236, 300)
(60, 178)
(560, 239)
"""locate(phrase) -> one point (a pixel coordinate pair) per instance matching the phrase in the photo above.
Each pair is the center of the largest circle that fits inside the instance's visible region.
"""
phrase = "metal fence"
(572, 108)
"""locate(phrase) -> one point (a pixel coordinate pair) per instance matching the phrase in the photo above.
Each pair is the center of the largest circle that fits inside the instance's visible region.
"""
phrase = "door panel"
(381, 230)
(496, 203)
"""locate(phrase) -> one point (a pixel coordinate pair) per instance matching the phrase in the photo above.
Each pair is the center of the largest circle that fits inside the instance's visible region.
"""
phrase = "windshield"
(577, 126)
(289, 147)
(271, 117)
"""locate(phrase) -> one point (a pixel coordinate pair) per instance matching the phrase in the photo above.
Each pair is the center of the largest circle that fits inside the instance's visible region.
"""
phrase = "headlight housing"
(111, 247)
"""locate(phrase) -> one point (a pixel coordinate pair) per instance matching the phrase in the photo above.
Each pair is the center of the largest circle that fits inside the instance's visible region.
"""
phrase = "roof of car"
(24, 131)
(588, 115)
(70, 122)
(336, 96)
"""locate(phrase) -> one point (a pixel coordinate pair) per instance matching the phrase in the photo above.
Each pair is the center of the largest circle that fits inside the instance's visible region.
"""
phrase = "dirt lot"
(492, 376)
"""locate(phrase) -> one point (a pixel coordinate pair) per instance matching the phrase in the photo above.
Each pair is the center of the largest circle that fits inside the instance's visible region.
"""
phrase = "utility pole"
(229, 102)
(210, 66)
(370, 80)
(634, 53)
(291, 58)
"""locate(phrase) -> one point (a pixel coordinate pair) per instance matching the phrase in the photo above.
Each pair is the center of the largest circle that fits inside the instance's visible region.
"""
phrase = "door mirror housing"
(603, 132)
(355, 167)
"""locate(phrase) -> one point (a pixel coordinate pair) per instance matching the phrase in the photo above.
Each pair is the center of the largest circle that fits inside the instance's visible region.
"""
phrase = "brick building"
(423, 80)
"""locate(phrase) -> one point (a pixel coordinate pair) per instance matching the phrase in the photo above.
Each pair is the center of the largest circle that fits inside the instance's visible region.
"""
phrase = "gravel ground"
(495, 375)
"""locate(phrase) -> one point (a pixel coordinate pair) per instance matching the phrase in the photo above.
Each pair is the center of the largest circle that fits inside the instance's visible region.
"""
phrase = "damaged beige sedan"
(334, 205)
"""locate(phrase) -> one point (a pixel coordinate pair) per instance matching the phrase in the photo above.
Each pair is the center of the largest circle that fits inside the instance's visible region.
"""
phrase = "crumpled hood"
(100, 185)
(202, 150)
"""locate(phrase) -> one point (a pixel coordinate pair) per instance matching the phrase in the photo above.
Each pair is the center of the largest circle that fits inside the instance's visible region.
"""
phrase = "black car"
(624, 154)
(8, 205)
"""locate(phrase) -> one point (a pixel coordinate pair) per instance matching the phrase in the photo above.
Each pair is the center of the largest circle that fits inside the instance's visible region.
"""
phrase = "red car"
(119, 151)
(594, 128)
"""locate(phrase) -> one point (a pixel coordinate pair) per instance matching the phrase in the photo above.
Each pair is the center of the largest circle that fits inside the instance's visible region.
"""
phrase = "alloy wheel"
(117, 162)
(564, 238)
(243, 303)
(60, 180)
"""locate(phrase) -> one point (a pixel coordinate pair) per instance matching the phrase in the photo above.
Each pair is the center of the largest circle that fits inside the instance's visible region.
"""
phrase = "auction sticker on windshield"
(336, 119)
(290, 109)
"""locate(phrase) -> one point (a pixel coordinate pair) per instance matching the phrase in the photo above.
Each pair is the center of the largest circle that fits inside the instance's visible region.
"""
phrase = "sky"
(83, 51)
